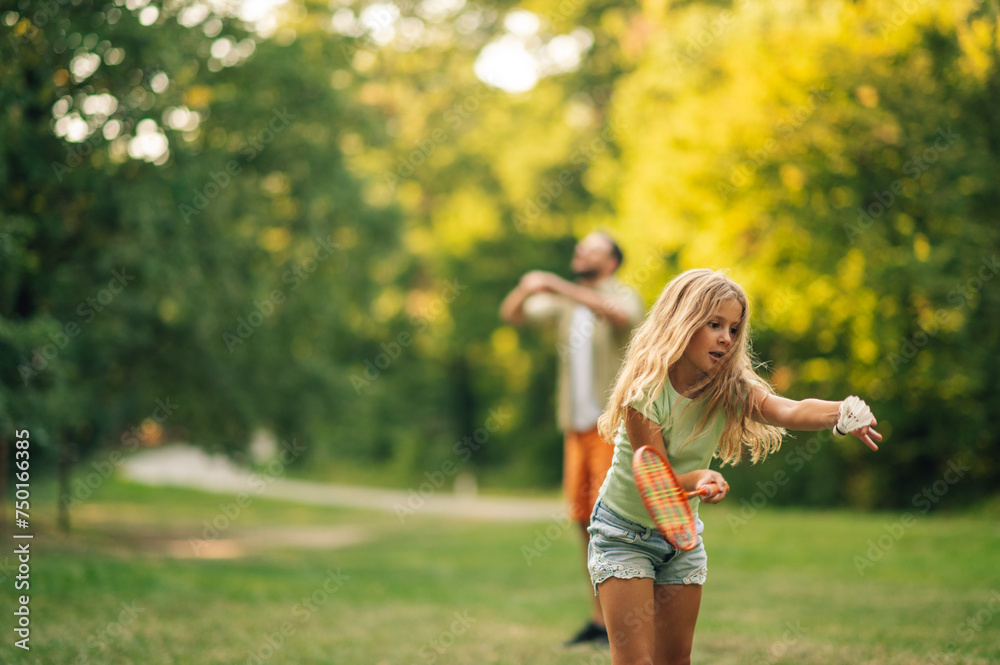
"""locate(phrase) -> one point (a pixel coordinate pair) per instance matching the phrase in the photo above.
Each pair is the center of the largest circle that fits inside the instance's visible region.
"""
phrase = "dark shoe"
(590, 634)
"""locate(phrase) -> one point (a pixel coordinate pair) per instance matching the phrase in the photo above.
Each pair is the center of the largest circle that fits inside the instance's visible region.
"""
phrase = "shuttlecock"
(854, 413)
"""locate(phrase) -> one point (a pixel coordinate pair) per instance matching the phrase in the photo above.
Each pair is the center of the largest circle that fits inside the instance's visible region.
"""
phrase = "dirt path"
(186, 466)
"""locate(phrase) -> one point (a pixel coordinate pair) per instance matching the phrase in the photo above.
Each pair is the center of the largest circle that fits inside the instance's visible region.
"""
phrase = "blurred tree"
(839, 163)
(177, 233)
(311, 230)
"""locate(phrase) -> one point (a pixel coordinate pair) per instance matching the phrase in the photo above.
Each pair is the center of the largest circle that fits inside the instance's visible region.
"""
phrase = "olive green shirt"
(619, 492)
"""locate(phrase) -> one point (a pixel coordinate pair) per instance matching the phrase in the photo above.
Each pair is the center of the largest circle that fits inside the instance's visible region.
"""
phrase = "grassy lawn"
(785, 587)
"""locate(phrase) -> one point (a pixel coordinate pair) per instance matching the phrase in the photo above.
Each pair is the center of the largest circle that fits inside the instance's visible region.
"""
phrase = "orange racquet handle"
(701, 491)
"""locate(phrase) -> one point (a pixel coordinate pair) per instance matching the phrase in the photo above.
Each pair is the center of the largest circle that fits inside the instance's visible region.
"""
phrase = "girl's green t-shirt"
(619, 492)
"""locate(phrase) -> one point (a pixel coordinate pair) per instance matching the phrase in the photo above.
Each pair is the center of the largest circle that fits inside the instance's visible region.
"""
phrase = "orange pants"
(586, 460)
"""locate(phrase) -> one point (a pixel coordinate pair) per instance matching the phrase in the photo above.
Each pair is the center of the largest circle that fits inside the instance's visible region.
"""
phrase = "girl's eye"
(713, 324)
(734, 331)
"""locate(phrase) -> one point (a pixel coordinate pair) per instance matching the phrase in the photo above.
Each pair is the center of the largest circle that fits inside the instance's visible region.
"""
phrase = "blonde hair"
(686, 304)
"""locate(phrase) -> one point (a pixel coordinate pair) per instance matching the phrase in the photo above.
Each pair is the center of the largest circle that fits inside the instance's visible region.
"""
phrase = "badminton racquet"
(665, 499)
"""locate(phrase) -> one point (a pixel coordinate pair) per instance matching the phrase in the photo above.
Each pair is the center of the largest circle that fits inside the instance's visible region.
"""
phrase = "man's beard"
(586, 275)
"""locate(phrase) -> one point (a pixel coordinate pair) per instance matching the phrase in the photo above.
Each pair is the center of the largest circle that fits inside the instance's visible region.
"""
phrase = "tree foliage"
(311, 230)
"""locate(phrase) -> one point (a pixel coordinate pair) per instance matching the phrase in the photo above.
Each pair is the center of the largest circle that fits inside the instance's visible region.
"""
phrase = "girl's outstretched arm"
(808, 415)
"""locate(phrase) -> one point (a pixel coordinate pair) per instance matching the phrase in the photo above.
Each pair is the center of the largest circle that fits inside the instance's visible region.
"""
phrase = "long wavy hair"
(688, 302)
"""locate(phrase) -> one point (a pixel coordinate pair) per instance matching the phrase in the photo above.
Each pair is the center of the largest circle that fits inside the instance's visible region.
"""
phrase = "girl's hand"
(868, 433)
(717, 486)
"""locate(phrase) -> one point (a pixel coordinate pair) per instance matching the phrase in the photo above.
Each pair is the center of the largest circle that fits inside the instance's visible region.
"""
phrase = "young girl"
(687, 389)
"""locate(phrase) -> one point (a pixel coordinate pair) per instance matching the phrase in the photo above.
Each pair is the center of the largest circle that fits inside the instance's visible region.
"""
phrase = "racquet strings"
(665, 499)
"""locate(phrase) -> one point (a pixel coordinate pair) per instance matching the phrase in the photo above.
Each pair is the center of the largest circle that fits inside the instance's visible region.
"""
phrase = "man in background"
(594, 315)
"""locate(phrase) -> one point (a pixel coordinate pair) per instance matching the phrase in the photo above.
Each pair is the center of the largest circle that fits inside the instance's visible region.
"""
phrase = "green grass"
(783, 588)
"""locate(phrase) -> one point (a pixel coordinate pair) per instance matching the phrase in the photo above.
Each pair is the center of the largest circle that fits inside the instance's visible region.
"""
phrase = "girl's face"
(710, 343)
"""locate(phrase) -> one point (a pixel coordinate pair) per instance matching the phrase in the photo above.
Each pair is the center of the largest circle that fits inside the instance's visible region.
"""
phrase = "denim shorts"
(623, 549)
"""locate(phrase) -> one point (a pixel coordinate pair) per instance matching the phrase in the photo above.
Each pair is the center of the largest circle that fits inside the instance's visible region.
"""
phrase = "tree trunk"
(4, 451)
(64, 466)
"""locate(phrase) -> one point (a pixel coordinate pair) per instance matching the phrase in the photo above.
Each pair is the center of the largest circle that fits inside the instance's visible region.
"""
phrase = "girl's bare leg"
(677, 608)
(628, 611)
